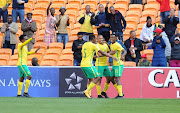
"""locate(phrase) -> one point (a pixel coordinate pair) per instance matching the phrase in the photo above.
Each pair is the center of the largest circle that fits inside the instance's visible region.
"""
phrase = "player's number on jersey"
(85, 53)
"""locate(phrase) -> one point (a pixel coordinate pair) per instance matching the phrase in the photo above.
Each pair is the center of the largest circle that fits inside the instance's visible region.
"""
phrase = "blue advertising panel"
(44, 82)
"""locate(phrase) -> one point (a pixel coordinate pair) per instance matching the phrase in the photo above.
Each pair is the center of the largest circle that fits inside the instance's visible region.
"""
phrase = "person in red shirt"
(164, 9)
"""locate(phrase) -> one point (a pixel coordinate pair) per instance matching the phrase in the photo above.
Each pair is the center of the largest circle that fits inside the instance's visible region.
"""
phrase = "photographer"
(116, 18)
(86, 21)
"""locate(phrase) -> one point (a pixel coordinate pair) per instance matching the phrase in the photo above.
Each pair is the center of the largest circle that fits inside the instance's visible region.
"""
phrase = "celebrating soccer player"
(87, 67)
(117, 69)
(22, 65)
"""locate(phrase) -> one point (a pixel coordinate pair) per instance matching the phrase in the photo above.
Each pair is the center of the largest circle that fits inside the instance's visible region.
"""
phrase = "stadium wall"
(70, 82)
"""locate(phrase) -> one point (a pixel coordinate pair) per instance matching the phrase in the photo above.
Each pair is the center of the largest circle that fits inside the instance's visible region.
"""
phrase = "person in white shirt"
(146, 35)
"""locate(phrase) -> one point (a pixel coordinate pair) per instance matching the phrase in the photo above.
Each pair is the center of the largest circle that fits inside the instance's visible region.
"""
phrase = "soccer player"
(22, 65)
(117, 69)
(88, 50)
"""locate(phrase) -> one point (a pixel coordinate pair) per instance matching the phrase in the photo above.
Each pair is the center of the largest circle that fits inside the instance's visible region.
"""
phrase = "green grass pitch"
(83, 105)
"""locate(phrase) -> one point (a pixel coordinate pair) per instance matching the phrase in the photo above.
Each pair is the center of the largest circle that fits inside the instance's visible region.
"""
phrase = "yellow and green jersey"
(23, 52)
(118, 48)
(88, 50)
(101, 61)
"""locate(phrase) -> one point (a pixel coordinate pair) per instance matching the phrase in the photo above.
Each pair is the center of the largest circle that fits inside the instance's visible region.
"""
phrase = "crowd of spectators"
(164, 40)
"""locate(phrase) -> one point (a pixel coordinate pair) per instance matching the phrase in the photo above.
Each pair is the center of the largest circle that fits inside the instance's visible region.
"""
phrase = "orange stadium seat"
(56, 45)
(39, 13)
(148, 51)
(4, 58)
(71, 21)
(135, 7)
(43, 26)
(129, 64)
(77, 26)
(30, 57)
(32, 1)
(15, 51)
(40, 45)
(3, 63)
(140, 26)
(121, 7)
(48, 63)
(152, 2)
(41, 6)
(50, 58)
(29, 63)
(111, 2)
(149, 58)
(66, 58)
(138, 32)
(132, 20)
(152, 14)
(151, 7)
(68, 45)
(93, 7)
(72, 38)
(41, 33)
(65, 63)
(78, 2)
(39, 20)
(53, 52)
(59, 3)
(133, 14)
(43, 2)
(124, 2)
(74, 32)
(67, 52)
(12, 63)
(158, 20)
(126, 33)
(29, 7)
(39, 39)
(5, 51)
(94, 2)
(131, 27)
(72, 13)
(73, 7)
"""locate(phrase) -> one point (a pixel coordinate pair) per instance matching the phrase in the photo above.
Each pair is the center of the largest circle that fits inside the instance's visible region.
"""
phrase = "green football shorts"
(24, 71)
(90, 72)
(103, 70)
(116, 71)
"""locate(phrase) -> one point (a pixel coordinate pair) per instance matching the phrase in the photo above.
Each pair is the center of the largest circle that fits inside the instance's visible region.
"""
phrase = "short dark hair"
(29, 14)
(100, 35)
(22, 37)
(115, 34)
(111, 7)
(9, 16)
(148, 18)
(131, 32)
(79, 33)
(91, 37)
(177, 35)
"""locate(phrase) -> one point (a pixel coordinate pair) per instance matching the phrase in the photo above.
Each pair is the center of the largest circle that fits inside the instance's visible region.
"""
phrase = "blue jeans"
(4, 14)
(120, 35)
(77, 62)
(16, 13)
(62, 37)
(8, 45)
(163, 16)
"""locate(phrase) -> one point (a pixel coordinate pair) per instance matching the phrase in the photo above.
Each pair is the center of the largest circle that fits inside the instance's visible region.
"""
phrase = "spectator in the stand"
(87, 20)
(34, 62)
(18, 10)
(136, 1)
(158, 45)
(50, 26)
(166, 40)
(171, 24)
(116, 19)
(29, 27)
(102, 23)
(134, 47)
(175, 51)
(143, 61)
(147, 32)
(164, 9)
(118, 41)
(77, 47)
(3, 9)
(177, 2)
(62, 21)
(9, 29)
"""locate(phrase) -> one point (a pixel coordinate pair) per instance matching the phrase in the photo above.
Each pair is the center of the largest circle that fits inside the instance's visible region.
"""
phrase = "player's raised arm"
(29, 53)
(124, 54)
(108, 55)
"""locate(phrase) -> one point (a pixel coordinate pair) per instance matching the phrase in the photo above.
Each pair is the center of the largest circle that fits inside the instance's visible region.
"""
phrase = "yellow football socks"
(106, 86)
(119, 87)
(27, 85)
(115, 85)
(91, 85)
(98, 87)
(89, 91)
(20, 86)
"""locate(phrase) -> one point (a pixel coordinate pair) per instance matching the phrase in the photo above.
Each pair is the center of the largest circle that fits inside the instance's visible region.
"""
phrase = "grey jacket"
(28, 32)
(168, 46)
(13, 28)
(175, 50)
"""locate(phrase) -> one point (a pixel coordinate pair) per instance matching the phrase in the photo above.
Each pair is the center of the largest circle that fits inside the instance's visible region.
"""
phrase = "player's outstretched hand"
(37, 50)
(115, 58)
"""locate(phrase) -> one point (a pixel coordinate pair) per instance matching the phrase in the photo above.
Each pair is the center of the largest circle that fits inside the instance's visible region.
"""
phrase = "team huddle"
(95, 74)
